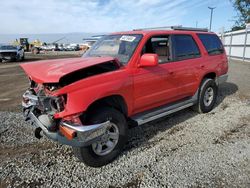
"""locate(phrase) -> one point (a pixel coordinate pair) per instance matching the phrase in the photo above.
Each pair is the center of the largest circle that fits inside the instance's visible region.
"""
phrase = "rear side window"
(212, 44)
(184, 47)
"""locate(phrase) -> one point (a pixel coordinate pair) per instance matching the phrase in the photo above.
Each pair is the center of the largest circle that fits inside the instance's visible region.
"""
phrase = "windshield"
(8, 47)
(121, 47)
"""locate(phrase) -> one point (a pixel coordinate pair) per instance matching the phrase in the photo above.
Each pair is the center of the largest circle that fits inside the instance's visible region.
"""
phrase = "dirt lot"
(13, 81)
(185, 149)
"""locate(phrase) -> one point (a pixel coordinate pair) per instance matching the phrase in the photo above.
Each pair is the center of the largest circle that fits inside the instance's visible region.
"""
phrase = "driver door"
(155, 86)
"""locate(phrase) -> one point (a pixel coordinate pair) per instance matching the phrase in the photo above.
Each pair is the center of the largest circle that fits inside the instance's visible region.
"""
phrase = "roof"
(155, 32)
(166, 30)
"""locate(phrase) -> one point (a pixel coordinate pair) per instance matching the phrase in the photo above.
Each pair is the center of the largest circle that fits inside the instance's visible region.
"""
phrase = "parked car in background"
(72, 47)
(126, 79)
(88, 42)
(11, 53)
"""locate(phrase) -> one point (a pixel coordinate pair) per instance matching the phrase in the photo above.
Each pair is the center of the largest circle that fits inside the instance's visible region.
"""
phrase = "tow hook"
(38, 132)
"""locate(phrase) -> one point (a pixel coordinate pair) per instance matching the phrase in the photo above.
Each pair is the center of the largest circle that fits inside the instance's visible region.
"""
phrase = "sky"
(101, 16)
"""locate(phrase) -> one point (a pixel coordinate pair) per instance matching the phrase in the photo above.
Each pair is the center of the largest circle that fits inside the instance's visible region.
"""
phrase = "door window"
(184, 47)
(212, 44)
(158, 45)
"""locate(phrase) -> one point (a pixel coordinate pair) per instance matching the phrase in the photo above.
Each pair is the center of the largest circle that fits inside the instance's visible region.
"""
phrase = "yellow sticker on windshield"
(127, 38)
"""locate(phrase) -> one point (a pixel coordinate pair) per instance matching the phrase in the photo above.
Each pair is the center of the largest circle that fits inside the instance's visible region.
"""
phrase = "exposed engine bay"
(43, 105)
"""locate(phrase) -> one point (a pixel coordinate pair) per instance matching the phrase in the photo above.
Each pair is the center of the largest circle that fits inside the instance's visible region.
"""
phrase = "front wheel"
(207, 96)
(111, 144)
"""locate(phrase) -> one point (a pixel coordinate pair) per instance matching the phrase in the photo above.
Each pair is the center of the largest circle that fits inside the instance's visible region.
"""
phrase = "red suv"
(126, 78)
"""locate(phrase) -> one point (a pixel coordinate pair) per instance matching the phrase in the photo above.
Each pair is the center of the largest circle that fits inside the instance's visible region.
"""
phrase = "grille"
(8, 54)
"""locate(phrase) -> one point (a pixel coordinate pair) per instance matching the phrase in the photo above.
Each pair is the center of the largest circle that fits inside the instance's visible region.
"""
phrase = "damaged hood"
(50, 71)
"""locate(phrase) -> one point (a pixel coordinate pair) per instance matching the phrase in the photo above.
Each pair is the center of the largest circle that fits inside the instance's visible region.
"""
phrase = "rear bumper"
(222, 79)
(85, 134)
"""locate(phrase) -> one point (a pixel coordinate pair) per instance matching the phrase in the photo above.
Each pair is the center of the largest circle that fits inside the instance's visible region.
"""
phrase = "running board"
(154, 114)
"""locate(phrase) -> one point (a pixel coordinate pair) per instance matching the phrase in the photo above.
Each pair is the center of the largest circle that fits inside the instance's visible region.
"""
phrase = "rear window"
(184, 47)
(212, 44)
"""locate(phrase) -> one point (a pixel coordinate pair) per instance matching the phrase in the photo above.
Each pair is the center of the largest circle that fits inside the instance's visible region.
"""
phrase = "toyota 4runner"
(126, 78)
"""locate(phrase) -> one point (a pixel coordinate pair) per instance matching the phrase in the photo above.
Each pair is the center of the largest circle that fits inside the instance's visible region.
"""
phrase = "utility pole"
(211, 17)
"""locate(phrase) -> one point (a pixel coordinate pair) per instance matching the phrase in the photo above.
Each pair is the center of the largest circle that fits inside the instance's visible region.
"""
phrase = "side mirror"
(148, 60)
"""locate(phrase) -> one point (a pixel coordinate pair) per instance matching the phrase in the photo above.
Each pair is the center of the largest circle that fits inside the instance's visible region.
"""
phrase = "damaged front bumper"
(84, 135)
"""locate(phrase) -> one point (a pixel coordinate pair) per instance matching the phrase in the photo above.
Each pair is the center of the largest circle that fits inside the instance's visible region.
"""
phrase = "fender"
(84, 92)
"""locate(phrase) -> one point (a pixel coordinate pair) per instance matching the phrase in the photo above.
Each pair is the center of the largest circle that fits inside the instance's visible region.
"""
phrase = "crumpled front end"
(39, 109)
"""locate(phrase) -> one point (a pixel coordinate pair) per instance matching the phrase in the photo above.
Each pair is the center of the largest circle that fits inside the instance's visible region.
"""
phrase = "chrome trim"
(86, 133)
(158, 113)
(38, 123)
(141, 121)
(85, 128)
(32, 99)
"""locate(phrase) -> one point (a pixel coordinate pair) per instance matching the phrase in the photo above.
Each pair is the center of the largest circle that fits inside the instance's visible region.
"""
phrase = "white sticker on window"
(127, 38)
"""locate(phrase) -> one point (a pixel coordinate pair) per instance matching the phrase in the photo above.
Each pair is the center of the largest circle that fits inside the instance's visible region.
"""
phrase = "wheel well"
(115, 101)
(211, 75)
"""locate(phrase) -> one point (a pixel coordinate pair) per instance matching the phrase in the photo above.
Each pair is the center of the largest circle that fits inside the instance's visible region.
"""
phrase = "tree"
(243, 13)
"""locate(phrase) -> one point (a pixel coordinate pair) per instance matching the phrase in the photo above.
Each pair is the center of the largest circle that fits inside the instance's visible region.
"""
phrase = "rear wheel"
(111, 144)
(207, 96)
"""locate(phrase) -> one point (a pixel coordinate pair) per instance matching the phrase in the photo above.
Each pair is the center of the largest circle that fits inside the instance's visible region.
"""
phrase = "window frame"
(173, 47)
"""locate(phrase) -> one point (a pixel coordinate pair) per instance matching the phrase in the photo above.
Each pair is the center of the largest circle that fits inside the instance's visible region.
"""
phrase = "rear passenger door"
(215, 53)
(185, 63)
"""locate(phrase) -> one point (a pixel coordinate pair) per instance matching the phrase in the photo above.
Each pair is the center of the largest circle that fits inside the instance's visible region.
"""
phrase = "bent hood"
(50, 71)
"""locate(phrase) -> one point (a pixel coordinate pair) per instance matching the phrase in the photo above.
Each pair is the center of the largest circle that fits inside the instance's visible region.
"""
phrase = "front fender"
(83, 93)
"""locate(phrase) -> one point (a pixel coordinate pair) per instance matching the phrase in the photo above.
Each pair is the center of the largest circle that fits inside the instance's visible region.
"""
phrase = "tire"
(207, 96)
(89, 154)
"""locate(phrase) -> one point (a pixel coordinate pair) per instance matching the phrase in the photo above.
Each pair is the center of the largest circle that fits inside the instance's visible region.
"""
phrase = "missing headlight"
(58, 103)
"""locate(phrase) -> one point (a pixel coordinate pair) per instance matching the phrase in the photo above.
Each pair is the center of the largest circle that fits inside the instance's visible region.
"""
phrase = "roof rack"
(177, 27)
(189, 28)
(157, 28)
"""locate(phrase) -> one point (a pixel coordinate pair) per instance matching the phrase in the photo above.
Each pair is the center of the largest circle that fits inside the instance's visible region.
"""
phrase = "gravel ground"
(185, 149)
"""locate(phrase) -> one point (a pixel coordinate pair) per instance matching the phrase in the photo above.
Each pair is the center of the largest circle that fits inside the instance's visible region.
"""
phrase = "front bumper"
(8, 55)
(85, 134)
